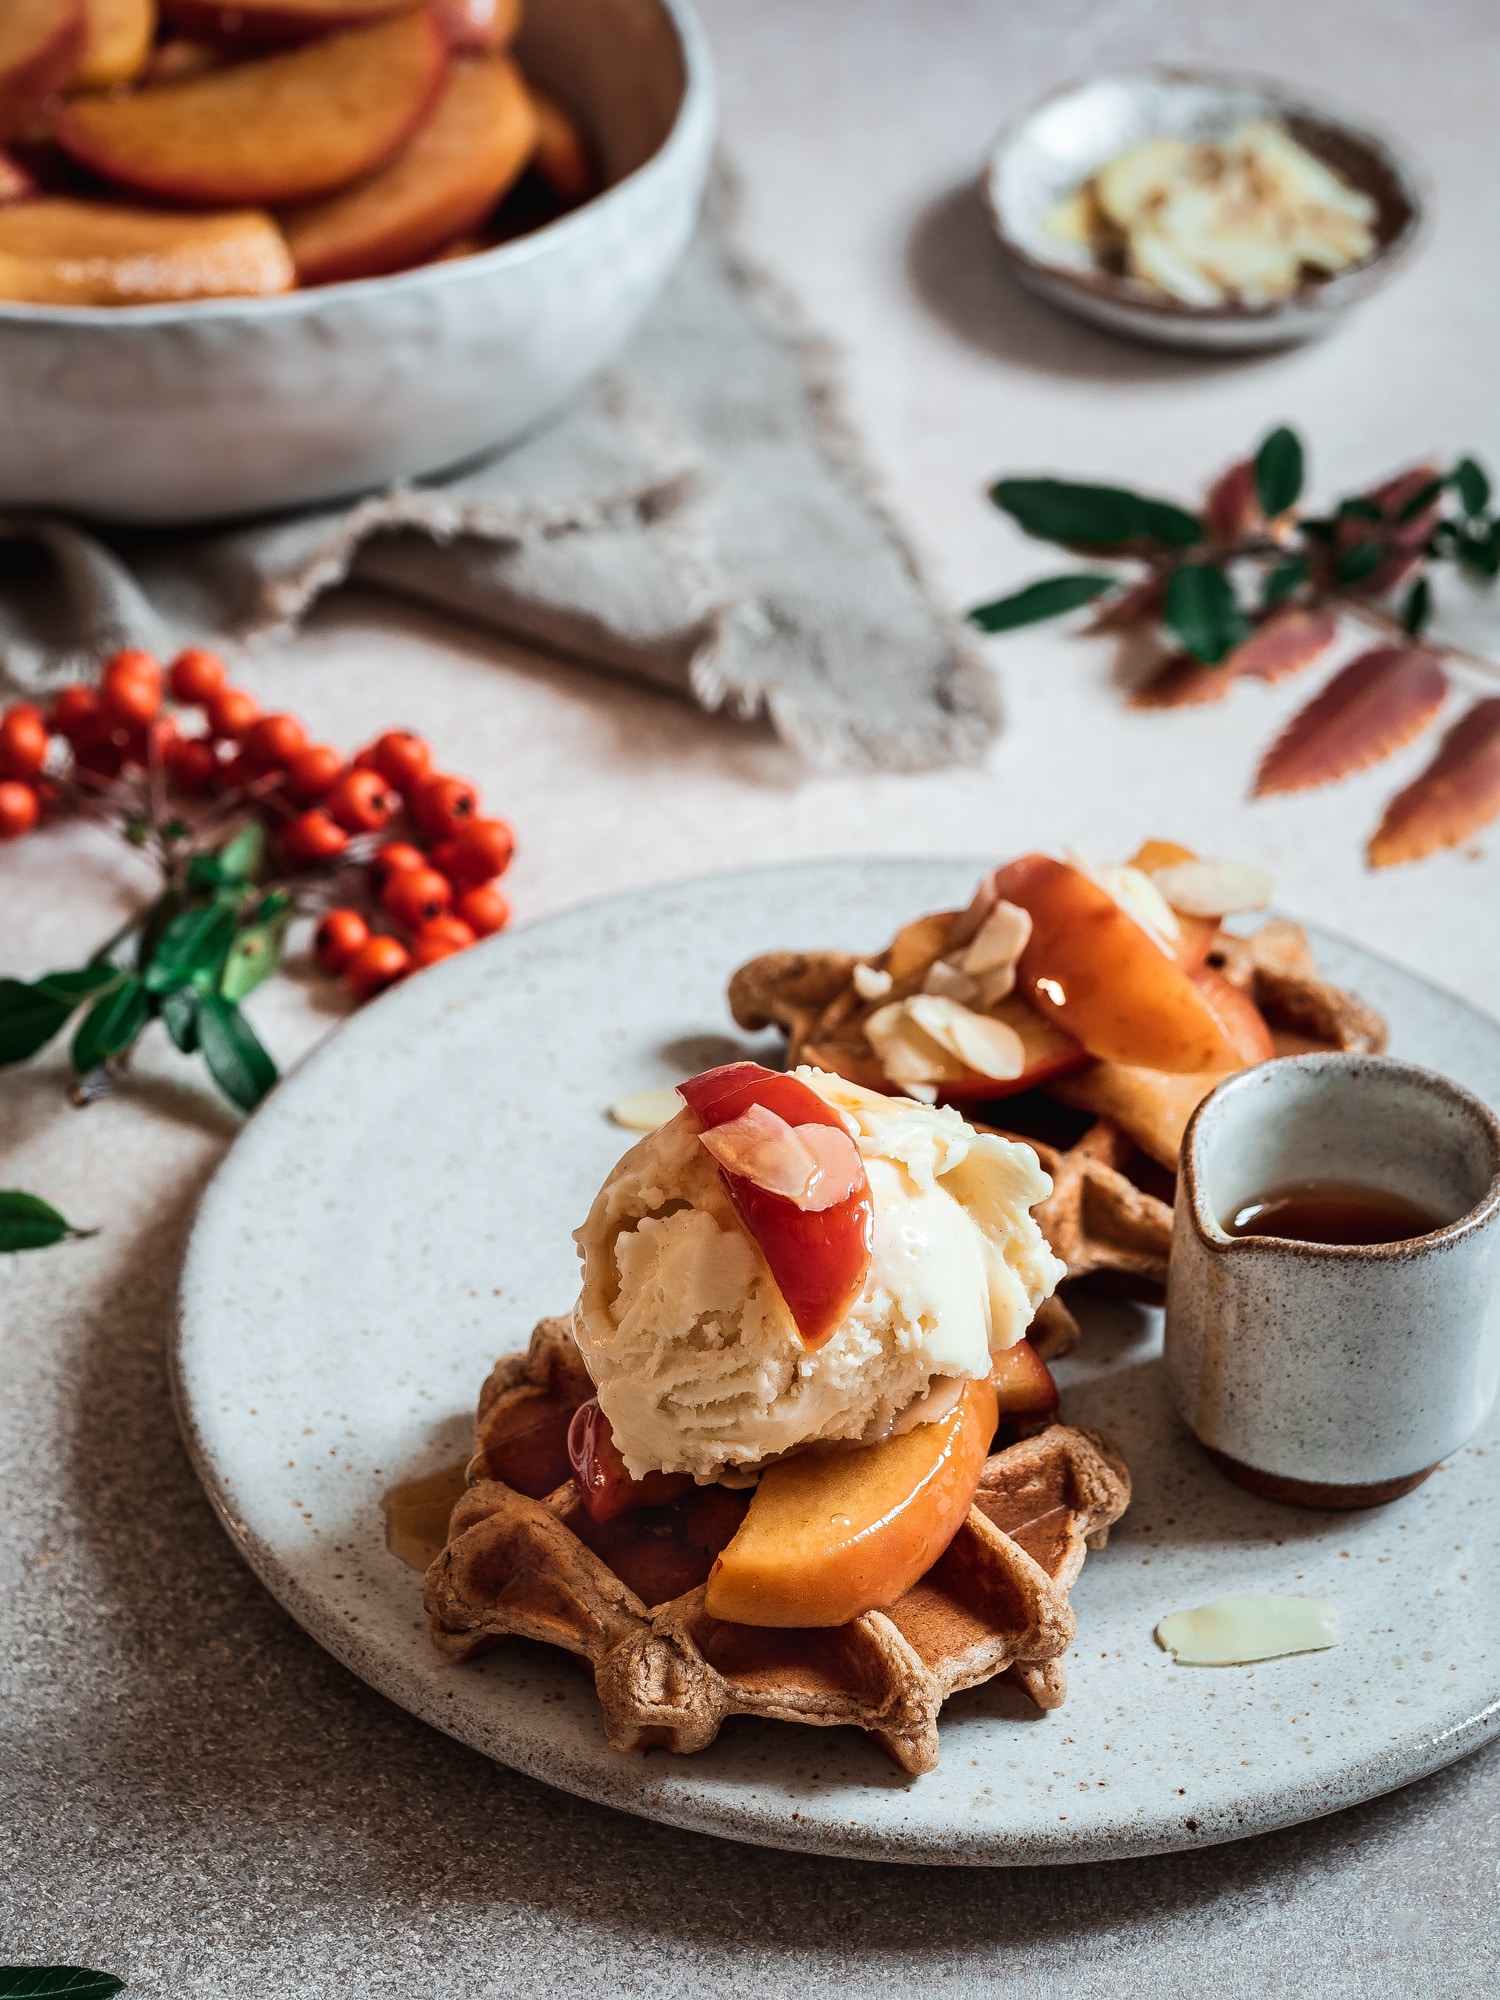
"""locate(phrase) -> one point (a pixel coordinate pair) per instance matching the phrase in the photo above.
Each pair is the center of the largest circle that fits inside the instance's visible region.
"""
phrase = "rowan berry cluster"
(428, 893)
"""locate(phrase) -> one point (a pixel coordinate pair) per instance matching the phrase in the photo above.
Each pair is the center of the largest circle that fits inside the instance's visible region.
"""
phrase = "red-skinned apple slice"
(1095, 971)
(600, 1472)
(1023, 1382)
(834, 1533)
(818, 1257)
(41, 45)
(1244, 1026)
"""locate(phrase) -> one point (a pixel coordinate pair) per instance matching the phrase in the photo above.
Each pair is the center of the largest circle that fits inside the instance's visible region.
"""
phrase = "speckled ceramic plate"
(399, 1213)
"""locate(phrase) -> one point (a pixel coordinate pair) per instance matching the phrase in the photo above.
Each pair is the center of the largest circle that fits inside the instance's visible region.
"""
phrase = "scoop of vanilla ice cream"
(698, 1363)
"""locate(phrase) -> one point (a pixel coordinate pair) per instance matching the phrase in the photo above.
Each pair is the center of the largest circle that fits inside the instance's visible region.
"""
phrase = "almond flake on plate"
(645, 1110)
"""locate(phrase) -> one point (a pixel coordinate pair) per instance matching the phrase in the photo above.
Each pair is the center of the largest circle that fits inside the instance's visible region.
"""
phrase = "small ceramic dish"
(1052, 149)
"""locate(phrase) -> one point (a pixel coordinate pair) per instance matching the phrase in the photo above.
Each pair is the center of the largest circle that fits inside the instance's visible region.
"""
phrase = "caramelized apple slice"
(91, 253)
(279, 129)
(1022, 1382)
(41, 42)
(459, 165)
(600, 1473)
(818, 1257)
(1244, 1026)
(564, 158)
(1104, 979)
(257, 23)
(117, 41)
(834, 1533)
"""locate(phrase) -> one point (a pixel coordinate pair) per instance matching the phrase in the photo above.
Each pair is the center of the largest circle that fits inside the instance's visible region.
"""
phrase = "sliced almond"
(870, 983)
(1137, 895)
(991, 1048)
(814, 1166)
(946, 979)
(909, 1056)
(1002, 937)
(1214, 888)
(645, 1110)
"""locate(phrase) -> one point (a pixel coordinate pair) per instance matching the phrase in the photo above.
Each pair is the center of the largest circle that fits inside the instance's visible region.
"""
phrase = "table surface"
(193, 1794)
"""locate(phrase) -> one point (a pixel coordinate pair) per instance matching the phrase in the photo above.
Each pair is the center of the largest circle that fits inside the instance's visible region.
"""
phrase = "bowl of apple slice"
(267, 255)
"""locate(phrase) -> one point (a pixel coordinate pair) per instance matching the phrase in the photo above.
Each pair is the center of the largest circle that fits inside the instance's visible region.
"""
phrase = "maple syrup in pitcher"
(1339, 1212)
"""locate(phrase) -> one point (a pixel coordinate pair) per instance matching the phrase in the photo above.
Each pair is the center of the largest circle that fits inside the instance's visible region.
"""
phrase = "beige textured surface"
(190, 1792)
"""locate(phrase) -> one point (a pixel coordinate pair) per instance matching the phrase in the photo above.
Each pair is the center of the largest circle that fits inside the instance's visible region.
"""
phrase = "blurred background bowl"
(219, 407)
(1061, 142)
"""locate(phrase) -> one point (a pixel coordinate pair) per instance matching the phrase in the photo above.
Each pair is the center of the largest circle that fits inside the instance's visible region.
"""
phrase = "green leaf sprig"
(57, 1982)
(1250, 584)
(188, 960)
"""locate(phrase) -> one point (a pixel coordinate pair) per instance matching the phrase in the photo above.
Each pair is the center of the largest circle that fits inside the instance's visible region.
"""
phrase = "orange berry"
(74, 711)
(439, 937)
(192, 764)
(415, 895)
(339, 937)
(364, 760)
(197, 675)
(130, 687)
(379, 962)
(391, 859)
(312, 771)
(19, 810)
(443, 806)
(402, 759)
(23, 740)
(49, 796)
(235, 772)
(362, 801)
(484, 910)
(478, 854)
(313, 836)
(231, 712)
(273, 742)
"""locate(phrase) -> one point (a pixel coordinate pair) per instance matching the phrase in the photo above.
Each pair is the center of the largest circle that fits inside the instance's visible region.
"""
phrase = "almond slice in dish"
(870, 983)
(909, 1057)
(1213, 888)
(946, 979)
(645, 1110)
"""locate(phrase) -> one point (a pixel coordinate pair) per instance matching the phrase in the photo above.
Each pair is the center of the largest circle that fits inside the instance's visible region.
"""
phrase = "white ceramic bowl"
(232, 406)
(1047, 152)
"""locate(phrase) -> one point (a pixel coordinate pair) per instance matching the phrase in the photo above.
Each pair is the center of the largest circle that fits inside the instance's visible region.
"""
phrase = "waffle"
(628, 1597)
(1109, 1216)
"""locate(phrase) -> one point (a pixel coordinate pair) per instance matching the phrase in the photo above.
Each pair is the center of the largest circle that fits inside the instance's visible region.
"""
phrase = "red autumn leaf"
(1403, 541)
(1369, 709)
(1182, 681)
(1458, 793)
(1232, 508)
(1285, 642)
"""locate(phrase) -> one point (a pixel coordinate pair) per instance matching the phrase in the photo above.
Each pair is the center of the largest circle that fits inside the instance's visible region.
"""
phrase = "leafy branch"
(1249, 587)
(29, 1223)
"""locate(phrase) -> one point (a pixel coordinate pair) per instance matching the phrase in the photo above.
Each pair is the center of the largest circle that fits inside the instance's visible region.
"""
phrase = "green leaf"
(1418, 607)
(1480, 553)
(1284, 579)
(1060, 510)
(1278, 472)
(193, 943)
(179, 1010)
(204, 873)
(1204, 613)
(1359, 509)
(1048, 599)
(76, 986)
(240, 859)
(28, 1020)
(1315, 528)
(1420, 501)
(110, 1025)
(1358, 561)
(1472, 485)
(29, 1223)
(238, 1063)
(48, 1982)
(253, 956)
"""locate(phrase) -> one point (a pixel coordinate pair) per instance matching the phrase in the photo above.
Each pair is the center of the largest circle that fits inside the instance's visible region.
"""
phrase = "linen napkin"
(700, 519)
